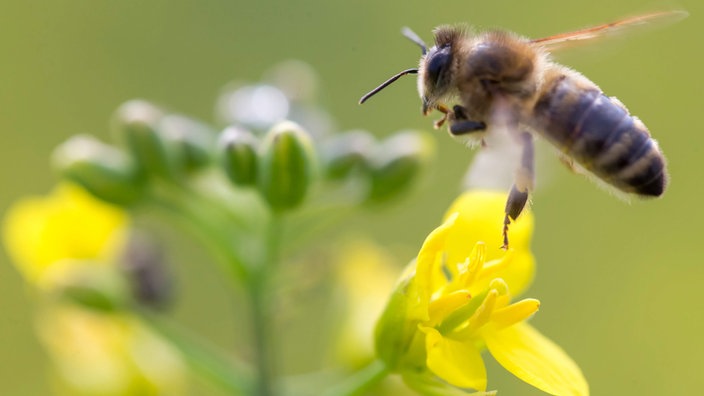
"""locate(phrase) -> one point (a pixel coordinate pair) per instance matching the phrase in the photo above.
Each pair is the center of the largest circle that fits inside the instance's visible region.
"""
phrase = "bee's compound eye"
(438, 63)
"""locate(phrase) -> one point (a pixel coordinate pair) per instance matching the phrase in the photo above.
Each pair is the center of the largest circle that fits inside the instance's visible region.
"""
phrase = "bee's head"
(434, 76)
(434, 72)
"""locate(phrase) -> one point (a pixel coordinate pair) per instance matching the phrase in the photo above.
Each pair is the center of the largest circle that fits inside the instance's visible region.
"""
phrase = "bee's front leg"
(522, 186)
(460, 123)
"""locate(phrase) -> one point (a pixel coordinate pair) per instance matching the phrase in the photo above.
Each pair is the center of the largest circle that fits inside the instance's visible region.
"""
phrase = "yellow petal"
(422, 286)
(458, 363)
(535, 359)
(483, 313)
(67, 224)
(113, 354)
(504, 296)
(470, 268)
(516, 312)
(446, 304)
(516, 268)
(493, 268)
(479, 318)
(481, 215)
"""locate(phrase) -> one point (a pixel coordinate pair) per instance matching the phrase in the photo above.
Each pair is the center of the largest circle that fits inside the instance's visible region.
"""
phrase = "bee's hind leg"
(514, 206)
(460, 124)
(522, 186)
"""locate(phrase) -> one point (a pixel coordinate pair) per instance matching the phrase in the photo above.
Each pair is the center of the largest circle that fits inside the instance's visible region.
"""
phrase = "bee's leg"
(522, 186)
(459, 112)
(514, 206)
(460, 124)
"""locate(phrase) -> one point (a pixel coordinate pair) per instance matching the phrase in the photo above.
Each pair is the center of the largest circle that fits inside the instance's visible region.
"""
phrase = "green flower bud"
(188, 143)
(346, 153)
(135, 123)
(394, 333)
(396, 163)
(102, 170)
(238, 155)
(287, 166)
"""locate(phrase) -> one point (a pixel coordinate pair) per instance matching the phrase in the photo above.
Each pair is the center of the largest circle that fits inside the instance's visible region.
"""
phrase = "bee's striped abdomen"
(599, 134)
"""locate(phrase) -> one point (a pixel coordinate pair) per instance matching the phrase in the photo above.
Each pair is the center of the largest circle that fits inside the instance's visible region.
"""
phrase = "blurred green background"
(620, 283)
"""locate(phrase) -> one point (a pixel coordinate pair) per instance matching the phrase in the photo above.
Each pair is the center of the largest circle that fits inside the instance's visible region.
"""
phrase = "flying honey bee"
(500, 78)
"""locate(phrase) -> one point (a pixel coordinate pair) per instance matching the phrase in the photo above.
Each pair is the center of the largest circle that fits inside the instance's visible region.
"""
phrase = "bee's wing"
(562, 40)
(494, 166)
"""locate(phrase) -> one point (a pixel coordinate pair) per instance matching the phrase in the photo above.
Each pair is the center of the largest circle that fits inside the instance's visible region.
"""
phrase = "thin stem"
(261, 297)
(205, 222)
(325, 218)
(261, 341)
(205, 360)
(224, 232)
(361, 381)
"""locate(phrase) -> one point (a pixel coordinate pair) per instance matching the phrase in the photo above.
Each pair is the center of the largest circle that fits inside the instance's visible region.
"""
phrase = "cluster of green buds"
(389, 166)
(272, 152)
(261, 149)
(276, 153)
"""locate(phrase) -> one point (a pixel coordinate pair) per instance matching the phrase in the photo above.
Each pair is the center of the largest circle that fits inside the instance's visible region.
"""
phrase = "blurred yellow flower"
(109, 354)
(455, 302)
(69, 240)
(68, 224)
(365, 274)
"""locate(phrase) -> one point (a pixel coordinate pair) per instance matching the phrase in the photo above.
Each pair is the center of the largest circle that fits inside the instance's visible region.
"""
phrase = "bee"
(500, 79)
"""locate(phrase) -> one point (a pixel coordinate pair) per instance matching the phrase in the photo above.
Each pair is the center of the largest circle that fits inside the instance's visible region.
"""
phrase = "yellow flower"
(68, 240)
(455, 302)
(69, 224)
(109, 355)
(480, 219)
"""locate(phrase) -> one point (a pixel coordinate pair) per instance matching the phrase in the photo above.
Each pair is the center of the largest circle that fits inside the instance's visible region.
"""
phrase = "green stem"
(361, 381)
(221, 229)
(261, 341)
(205, 360)
(323, 219)
(260, 287)
(204, 223)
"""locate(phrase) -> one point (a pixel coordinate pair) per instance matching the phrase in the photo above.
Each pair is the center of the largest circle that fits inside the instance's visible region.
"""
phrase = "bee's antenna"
(411, 35)
(386, 84)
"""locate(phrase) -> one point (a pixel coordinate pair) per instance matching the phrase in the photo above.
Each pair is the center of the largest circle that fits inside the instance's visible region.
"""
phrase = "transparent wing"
(495, 165)
(562, 40)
